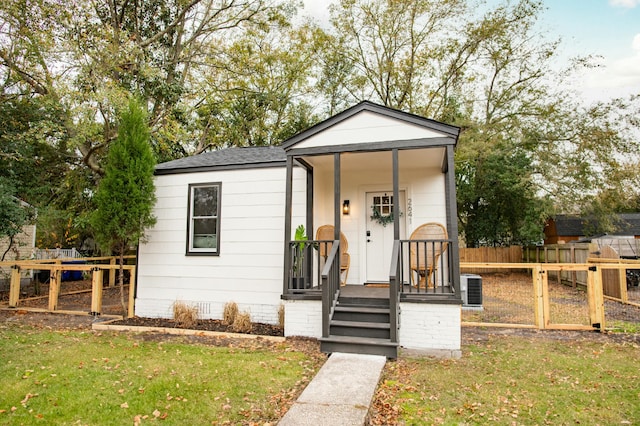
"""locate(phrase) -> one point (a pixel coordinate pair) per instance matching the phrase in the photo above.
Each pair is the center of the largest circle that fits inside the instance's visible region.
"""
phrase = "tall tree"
(33, 153)
(497, 200)
(126, 195)
(13, 215)
(490, 73)
(261, 93)
(88, 57)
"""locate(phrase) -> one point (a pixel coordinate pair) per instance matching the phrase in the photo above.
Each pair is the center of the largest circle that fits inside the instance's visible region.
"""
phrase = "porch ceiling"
(380, 160)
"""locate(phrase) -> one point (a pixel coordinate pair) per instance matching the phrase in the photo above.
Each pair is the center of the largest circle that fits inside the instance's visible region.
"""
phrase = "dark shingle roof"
(630, 224)
(626, 224)
(229, 158)
(569, 225)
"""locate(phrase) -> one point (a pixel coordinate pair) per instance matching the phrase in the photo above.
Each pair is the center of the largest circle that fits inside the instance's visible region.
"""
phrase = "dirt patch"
(72, 296)
(474, 335)
(55, 321)
(509, 298)
(46, 320)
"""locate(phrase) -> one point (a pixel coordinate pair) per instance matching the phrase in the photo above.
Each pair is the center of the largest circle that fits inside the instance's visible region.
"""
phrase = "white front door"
(379, 210)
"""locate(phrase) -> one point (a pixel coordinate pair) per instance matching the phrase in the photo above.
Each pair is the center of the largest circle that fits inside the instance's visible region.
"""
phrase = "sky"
(607, 29)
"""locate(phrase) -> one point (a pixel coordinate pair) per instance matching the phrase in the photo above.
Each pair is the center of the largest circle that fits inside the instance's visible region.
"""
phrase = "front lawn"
(511, 380)
(88, 378)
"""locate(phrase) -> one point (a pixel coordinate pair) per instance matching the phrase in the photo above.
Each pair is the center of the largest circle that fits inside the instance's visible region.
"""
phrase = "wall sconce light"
(345, 207)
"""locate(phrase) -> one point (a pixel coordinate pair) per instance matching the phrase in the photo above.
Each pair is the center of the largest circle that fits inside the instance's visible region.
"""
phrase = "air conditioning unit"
(471, 289)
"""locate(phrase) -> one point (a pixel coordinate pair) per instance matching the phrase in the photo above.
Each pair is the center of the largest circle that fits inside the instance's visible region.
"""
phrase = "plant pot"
(296, 283)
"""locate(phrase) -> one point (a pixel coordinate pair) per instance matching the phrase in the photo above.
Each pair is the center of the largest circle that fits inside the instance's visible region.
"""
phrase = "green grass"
(512, 380)
(84, 378)
(623, 327)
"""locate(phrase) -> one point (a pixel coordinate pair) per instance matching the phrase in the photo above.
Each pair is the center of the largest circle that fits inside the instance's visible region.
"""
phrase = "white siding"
(424, 189)
(249, 269)
(367, 127)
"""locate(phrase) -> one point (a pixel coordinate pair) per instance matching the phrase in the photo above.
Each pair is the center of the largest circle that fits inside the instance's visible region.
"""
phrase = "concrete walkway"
(339, 394)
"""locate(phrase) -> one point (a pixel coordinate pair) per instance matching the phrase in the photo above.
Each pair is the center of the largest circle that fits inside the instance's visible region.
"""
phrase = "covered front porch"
(376, 179)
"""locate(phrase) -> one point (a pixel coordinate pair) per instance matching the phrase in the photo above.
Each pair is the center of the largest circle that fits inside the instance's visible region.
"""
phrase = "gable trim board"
(378, 109)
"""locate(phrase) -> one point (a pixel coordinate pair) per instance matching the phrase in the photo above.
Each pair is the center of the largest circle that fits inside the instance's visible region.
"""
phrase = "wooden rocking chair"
(424, 257)
(326, 233)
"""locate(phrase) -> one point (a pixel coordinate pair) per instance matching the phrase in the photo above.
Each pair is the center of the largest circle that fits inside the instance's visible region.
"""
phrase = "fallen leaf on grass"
(124, 405)
(27, 397)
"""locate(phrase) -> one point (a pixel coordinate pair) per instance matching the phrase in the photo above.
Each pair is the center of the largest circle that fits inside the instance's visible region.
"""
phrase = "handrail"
(330, 286)
(395, 280)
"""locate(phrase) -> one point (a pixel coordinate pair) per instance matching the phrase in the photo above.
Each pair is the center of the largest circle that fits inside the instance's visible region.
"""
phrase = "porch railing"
(424, 267)
(306, 261)
(330, 277)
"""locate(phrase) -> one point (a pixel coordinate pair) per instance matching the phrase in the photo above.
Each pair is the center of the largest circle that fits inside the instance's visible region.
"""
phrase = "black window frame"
(190, 250)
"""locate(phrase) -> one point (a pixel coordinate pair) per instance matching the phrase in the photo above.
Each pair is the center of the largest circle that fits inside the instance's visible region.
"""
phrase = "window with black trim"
(203, 228)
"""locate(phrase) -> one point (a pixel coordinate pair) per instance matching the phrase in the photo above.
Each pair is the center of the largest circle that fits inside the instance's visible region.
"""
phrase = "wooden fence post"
(574, 275)
(54, 287)
(132, 286)
(622, 278)
(595, 295)
(112, 272)
(96, 291)
(545, 297)
(598, 297)
(538, 292)
(14, 289)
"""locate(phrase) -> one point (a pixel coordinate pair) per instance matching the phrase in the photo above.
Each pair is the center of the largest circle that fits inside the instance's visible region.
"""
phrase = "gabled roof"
(366, 106)
(229, 158)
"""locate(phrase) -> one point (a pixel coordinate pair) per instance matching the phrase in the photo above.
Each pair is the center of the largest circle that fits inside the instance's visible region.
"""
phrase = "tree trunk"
(8, 248)
(121, 279)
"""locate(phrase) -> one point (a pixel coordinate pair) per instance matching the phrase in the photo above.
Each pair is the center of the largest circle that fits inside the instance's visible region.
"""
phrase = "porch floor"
(354, 290)
(381, 291)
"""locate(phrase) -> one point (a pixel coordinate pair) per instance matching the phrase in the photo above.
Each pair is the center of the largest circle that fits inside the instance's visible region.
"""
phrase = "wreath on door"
(383, 220)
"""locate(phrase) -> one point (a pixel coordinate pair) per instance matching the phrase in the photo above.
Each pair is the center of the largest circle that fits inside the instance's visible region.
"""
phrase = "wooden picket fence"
(544, 303)
(96, 266)
(511, 254)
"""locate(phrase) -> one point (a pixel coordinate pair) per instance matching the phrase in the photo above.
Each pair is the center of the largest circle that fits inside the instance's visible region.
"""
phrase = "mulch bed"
(203, 325)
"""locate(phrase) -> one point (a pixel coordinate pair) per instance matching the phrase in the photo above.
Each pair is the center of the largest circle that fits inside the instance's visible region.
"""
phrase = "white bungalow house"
(226, 221)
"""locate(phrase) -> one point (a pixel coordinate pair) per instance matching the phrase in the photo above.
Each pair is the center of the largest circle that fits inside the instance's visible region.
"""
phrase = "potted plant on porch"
(298, 250)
